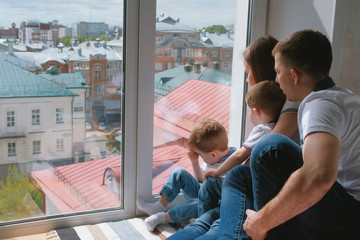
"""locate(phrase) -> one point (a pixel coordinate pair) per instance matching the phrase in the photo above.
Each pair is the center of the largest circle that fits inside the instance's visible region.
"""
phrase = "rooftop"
(177, 112)
(67, 80)
(17, 82)
(169, 80)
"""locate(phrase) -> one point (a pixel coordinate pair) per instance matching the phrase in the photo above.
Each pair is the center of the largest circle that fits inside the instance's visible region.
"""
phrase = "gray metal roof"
(81, 52)
(17, 82)
(218, 40)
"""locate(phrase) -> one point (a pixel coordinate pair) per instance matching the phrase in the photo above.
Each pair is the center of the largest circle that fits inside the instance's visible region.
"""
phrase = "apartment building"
(35, 32)
(177, 44)
(89, 29)
(26, 100)
(10, 33)
(99, 64)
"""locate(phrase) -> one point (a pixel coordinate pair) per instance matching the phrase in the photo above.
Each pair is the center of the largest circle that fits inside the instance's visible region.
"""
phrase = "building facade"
(89, 29)
(178, 44)
(36, 117)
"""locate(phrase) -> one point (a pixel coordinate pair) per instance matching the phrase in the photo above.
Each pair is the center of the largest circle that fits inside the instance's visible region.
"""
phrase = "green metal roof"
(168, 80)
(67, 80)
(16, 82)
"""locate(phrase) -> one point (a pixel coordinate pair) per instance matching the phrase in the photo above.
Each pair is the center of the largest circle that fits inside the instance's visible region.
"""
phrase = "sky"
(195, 13)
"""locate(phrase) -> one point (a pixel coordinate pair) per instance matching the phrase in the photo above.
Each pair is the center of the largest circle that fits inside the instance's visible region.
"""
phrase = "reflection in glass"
(60, 108)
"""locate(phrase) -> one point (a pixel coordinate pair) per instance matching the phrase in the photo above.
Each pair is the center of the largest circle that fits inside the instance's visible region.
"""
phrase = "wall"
(339, 20)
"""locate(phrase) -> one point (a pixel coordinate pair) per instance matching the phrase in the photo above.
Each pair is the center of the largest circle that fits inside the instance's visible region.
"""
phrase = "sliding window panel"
(198, 75)
(63, 143)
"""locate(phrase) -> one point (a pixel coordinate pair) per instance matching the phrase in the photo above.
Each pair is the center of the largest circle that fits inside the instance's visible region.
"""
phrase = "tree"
(216, 28)
(16, 196)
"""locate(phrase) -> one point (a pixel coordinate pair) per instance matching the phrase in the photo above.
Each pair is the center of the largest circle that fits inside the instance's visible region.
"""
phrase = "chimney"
(188, 67)
(10, 47)
(197, 67)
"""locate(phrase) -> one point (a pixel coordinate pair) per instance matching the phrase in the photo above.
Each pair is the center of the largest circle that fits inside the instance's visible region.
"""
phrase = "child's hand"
(194, 157)
(211, 173)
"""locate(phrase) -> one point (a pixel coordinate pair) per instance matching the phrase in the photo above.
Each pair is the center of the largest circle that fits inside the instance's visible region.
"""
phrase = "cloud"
(195, 13)
(65, 11)
(199, 13)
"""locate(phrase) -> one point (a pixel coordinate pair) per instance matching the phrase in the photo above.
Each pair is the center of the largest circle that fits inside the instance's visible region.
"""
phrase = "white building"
(37, 120)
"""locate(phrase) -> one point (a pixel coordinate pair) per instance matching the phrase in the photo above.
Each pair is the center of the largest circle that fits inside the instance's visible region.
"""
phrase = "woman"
(236, 194)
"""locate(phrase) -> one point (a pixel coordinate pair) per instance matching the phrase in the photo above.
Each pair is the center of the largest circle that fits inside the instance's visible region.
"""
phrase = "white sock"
(154, 220)
(150, 208)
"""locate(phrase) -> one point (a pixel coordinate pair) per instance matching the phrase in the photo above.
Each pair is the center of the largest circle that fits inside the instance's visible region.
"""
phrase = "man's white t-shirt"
(336, 111)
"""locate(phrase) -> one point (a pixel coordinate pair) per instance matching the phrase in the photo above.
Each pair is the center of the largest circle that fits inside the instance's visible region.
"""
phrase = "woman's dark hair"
(259, 56)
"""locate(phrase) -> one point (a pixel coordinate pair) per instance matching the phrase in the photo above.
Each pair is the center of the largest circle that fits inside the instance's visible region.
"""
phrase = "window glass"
(193, 87)
(61, 96)
(11, 149)
(59, 115)
(35, 117)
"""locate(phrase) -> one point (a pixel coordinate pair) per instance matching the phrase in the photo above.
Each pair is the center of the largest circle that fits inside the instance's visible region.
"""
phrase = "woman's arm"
(286, 125)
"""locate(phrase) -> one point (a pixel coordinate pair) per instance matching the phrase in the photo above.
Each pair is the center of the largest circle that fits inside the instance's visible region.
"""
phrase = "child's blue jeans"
(181, 179)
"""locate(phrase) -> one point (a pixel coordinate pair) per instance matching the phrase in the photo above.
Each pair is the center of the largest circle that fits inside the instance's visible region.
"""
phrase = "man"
(311, 192)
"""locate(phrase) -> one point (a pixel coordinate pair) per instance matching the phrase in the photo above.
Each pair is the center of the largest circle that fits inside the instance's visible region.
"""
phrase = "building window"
(206, 54)
(214, 53)
(225, 65)
(159, 39)
(60, 145)
(189, 52)
(11, 149)
(168, 65)
(198, 52)
(36, 147)
(158, 66)
(59, 115)
(97, 72)
(158, 52)
(227, 54)
(10, 119)
(98, 88)
(168, 52)
(35, 116)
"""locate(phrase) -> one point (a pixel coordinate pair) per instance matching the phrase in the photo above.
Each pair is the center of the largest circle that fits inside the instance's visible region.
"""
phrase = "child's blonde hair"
(208, 135)
(268, 97)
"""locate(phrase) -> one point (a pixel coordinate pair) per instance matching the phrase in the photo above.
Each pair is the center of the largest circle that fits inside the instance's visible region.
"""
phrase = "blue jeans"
(236, 197)
(209, 194)
(273, 160)
(181, 179)
(204, 228)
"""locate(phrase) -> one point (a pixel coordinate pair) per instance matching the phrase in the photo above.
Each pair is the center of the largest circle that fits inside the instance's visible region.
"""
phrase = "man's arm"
(304, 188)
(235, 159)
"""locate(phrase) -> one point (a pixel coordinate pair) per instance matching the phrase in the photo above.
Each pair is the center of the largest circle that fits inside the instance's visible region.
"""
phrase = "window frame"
(139, 26)
(35, 117)
(36, 147)
(60, 146)
(11, 149)
(59, 115)
(10, 118)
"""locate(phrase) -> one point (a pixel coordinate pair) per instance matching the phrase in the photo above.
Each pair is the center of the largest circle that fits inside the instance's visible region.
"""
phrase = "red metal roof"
(69, 186)
(78, 187)
(192, 102)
